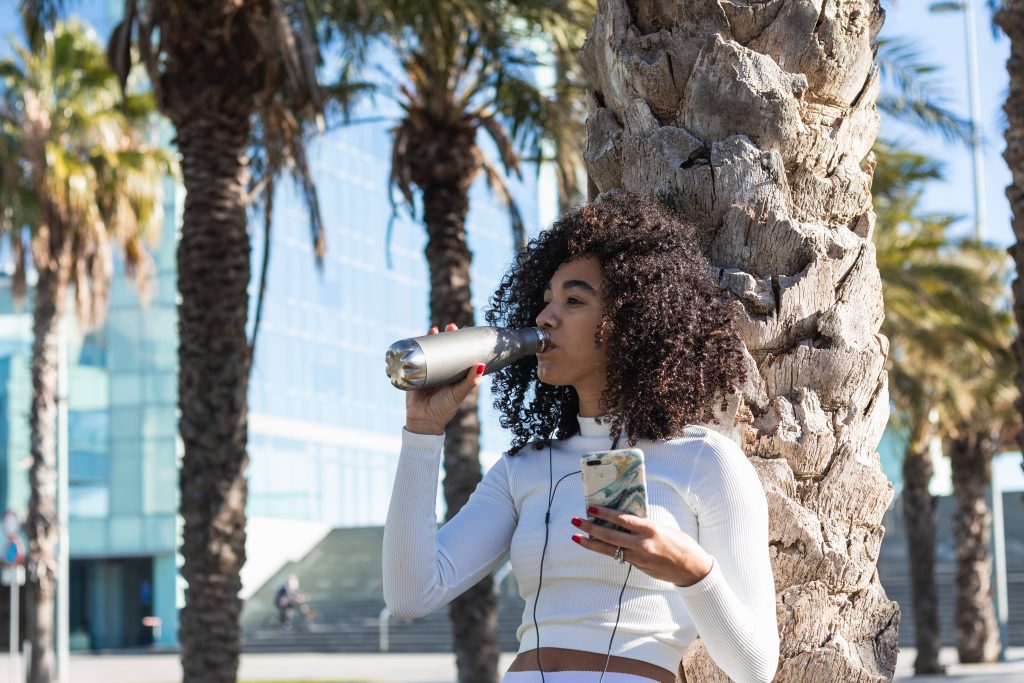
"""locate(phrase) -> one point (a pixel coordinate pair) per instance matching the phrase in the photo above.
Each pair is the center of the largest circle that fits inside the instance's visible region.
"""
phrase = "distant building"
(324, 422)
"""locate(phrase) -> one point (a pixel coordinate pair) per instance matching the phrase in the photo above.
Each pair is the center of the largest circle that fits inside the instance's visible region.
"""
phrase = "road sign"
(14, 552)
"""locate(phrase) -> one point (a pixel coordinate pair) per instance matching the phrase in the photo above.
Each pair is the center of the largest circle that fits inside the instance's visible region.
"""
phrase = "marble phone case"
(615, 479)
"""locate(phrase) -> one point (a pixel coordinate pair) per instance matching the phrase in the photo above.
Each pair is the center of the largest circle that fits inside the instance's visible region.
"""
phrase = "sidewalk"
(1003, 672)
(419, 668)
(368, 668)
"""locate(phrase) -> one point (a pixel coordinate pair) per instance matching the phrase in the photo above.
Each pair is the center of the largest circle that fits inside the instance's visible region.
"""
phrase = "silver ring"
(620, 553)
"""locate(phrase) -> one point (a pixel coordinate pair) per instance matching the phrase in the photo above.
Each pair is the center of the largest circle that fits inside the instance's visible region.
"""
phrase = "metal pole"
(999, 557)
(975, 104)
(15, 664)
(63, 559)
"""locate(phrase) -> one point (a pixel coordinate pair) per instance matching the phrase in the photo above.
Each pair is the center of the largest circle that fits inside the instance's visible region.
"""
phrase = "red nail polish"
(480, 369)
(576, 521)
(576, 538)
(592, 510)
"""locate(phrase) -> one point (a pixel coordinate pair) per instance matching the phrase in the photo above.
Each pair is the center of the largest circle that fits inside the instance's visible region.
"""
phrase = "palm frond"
(947, 310)
(38, 16)
(498, 186)
(84, 178)
(915, 94)
(477, 58)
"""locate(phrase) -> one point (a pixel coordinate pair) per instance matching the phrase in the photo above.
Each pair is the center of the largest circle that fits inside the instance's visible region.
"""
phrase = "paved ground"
(1009, 671)
(165, 668)
(410, 668)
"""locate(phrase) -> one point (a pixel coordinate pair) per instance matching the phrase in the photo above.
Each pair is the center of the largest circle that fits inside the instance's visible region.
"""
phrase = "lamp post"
(975, 107)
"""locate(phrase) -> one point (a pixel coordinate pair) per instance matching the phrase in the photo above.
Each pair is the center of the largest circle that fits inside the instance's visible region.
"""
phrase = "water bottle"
(437, 359)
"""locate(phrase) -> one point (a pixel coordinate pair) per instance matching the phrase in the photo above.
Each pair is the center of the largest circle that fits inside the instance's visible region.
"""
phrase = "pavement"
(419, 668)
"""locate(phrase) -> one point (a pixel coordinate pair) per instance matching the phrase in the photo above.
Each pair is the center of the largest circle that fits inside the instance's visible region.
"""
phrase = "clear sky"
(941, 40)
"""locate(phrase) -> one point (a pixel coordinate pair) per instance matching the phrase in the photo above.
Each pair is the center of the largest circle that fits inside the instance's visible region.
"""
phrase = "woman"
(644, 349)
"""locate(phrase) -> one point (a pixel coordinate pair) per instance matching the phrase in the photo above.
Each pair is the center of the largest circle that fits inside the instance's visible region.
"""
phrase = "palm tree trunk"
(42, 525)
(453, 161)
(977, 634)
(1011, 19)
(756, 121)
(213, 355)
(919, 519)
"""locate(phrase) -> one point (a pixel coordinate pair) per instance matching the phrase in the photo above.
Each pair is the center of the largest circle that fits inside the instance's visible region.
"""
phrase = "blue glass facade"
(324, 421)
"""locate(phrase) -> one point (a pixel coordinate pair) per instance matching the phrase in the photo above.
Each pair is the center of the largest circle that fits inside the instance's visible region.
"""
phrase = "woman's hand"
(656, 550)
(427, 411)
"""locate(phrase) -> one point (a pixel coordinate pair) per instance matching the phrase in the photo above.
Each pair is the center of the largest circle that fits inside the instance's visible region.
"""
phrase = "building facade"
(324, 421)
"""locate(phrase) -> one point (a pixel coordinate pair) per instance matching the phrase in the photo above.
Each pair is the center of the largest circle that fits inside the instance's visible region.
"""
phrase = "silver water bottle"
(445, 358)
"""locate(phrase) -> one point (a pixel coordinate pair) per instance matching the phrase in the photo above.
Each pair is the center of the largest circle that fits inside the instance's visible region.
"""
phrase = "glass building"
(324, 421)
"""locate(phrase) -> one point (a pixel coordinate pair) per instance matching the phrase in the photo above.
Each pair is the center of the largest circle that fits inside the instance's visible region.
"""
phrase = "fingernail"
(480, 369)
(592, 510)
(576, 538)
(576, 521)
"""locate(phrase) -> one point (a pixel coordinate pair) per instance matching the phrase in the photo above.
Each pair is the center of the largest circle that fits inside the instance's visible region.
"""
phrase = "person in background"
(287, 598)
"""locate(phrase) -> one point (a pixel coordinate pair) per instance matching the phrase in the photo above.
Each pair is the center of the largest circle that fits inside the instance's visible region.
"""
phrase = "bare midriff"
(563, 659)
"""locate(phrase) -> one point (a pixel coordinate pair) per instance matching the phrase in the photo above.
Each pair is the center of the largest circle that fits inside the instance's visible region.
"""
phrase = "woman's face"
(571, 314)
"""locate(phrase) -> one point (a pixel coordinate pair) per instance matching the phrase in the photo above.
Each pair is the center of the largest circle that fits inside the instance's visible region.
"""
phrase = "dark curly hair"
(673, 351)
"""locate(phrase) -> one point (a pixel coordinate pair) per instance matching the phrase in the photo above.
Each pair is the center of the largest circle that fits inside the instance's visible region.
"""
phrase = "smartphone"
(615, 479)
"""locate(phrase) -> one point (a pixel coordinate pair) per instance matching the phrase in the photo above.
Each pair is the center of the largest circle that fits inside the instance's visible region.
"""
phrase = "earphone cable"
(618, 613)
(552, 488)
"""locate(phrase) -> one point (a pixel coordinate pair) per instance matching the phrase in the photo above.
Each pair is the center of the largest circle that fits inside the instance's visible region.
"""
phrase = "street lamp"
(975, 106)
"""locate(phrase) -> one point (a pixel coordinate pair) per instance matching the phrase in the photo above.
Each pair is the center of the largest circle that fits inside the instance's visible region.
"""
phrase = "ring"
(620, 553)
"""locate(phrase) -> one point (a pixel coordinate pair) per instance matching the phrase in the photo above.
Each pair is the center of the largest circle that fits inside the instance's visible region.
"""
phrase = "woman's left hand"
(656, 550)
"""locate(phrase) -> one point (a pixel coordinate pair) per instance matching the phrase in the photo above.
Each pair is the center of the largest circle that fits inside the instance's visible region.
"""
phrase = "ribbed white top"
(701, 483)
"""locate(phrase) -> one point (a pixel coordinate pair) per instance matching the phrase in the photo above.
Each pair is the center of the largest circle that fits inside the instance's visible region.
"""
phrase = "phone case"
(615, 479)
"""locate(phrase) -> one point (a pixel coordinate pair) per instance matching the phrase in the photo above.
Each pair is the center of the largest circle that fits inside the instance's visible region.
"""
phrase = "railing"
(383, 620)
(500, 576)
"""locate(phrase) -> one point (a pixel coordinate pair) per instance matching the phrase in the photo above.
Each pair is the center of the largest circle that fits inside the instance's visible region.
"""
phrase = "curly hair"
(673, 351)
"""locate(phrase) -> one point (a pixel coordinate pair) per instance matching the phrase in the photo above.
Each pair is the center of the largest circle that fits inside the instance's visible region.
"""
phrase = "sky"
(941, 40)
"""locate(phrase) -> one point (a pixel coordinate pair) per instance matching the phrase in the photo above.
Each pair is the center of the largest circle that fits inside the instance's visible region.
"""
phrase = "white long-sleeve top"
(700, 482)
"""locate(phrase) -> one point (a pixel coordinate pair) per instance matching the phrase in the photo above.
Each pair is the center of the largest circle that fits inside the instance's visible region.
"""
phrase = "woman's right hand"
(427, 411)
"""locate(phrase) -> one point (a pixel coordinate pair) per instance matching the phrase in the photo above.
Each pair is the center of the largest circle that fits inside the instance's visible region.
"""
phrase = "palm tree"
(757, 126)
(989, 426)
(242, 113)
(939, 296)
(76, 176)
(465, 69)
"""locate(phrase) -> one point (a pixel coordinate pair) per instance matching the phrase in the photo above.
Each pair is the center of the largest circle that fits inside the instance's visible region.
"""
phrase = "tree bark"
(213, 355)
(755, 121)
(977, 633)
(211, 74)
(1011, 19)
(42, 525)
(444, 163)
(919, 507)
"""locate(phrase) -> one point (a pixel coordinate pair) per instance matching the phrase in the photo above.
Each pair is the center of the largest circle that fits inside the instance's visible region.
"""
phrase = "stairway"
(342, 576)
